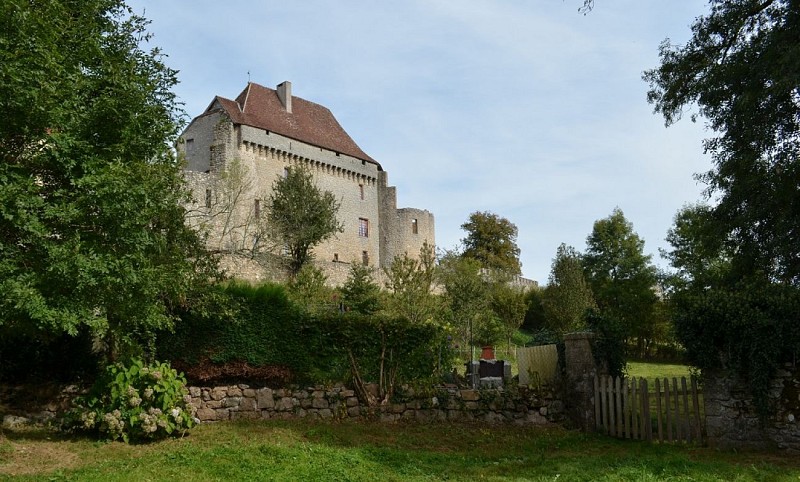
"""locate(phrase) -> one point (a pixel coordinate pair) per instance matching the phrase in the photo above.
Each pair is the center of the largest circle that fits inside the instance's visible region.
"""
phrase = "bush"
(135, 402)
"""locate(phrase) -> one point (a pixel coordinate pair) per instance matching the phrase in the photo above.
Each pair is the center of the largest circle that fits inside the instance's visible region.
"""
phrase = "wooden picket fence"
(628, 408)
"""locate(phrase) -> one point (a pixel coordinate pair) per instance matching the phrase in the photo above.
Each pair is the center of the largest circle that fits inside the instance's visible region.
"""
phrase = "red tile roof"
(260, 107)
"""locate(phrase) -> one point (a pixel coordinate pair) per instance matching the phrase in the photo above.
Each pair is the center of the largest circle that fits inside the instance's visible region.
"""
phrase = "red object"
(487, 353)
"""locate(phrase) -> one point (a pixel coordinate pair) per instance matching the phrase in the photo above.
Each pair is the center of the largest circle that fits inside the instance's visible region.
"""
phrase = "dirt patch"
(27, 457)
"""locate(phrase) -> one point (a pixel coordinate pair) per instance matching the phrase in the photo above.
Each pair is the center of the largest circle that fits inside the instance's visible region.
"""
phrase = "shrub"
(134, 402)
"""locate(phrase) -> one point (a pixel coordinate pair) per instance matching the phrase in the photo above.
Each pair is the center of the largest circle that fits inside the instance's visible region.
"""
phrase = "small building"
(236, 149)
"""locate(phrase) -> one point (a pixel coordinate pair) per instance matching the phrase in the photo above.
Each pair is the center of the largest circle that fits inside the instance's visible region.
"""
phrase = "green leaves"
(492, 240)
(91, 225)
(300, 215)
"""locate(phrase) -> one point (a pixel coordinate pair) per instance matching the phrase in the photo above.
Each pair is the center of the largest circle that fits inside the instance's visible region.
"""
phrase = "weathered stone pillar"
(580, 371)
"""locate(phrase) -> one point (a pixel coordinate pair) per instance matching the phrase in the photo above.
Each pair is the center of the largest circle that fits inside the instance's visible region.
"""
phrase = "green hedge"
(263, 328)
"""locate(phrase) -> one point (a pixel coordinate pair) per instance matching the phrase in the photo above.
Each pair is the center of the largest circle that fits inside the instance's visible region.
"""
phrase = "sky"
(529, 110)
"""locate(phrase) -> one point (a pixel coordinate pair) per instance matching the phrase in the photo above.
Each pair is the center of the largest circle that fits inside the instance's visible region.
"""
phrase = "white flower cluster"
(113, 423)
(133, 397)
(89, 419)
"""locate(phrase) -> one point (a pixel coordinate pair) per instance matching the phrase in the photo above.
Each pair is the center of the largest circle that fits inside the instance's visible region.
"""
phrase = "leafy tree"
(567, 296)
(534, 313)
(92, 228)
(300, 216)
(466, 294)
(741, 68)
(621, 275)
(360, 293)
(509, 306)
(738, 263)
(309, 291)
(410, 283)
(492, 241)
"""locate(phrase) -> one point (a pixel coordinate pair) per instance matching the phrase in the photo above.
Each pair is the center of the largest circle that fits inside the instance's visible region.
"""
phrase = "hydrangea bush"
(134, 402)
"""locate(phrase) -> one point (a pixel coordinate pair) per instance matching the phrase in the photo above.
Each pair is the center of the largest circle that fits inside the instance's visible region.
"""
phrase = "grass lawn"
(306, 450)
(651, 371)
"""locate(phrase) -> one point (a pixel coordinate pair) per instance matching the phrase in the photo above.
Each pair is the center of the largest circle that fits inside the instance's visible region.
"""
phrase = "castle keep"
(235, 151)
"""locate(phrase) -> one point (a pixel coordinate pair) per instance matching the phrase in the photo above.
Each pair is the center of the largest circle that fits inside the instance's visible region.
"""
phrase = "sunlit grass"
(305, 450)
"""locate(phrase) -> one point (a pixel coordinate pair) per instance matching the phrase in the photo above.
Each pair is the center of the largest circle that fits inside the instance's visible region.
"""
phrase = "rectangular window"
(257, 207)
(335, 257)
(414, 228)
(285, 172)
(363, 227)
(189, 146)
(208, 198)
(361, 191)
(365, 258)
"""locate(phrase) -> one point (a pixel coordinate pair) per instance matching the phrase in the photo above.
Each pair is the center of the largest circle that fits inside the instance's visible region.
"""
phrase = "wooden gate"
(629, 408)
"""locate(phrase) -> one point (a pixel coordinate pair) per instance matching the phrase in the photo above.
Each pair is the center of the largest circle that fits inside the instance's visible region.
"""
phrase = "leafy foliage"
(567, 296)
(410, 282)
(309, 291)
(92, 230)
(387, 351)
(134, 402)
(738, 262)
(621, 276)
(300, 216)
(360, 293)
(492, 240)
(741, 68)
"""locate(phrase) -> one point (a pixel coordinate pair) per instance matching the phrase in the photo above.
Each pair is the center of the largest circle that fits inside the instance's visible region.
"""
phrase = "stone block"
(285, 403)
(351, 401)
(195, 392)
(347, 393)
(249, 392)
(470, 395)
(319, 403)
(247, 405)
(213, 404)
(354, 411)
(234, 391)
(318, 394)
(206, 414)
(306, 403)
(223, 414)
(398, 408)
(219, 393)
(232, 402)
(326, 413)
(264, 398)
(245, 415)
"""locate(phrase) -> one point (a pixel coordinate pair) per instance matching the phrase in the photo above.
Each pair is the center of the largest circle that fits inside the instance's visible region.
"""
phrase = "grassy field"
(305, 450)
(651, 371)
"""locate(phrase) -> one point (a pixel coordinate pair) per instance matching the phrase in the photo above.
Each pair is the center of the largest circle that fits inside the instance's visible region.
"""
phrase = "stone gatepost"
(580, 371)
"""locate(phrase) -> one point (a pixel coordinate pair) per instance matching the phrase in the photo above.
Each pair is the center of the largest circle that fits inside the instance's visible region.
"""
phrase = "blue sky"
(530, 110)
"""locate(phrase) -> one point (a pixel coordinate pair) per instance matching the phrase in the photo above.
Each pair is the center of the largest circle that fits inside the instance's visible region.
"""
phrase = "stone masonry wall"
(519, 406)
(731, 418)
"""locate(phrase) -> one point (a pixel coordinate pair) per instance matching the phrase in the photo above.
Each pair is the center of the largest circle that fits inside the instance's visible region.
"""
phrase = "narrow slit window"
(208, 198)
(361, 191)
(365, 258)
(257, 208)
(414, 227)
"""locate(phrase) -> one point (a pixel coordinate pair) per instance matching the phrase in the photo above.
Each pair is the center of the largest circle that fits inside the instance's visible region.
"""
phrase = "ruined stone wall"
(521, 406)
(731, 418)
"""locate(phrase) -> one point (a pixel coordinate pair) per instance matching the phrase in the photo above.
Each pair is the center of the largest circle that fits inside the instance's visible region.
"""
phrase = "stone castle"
(235, 151)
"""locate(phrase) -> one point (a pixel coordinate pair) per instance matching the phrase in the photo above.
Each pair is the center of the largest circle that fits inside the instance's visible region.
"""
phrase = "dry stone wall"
(731, 418)
(519, 406)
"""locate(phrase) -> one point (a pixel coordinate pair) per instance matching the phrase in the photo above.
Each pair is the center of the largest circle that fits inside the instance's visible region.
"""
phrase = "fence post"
(580, 372)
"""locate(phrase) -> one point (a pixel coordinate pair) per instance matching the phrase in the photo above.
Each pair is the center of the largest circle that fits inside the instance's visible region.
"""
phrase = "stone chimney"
(285, 95)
